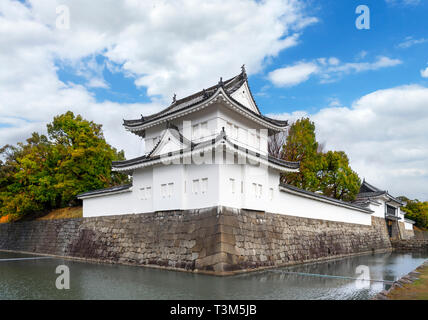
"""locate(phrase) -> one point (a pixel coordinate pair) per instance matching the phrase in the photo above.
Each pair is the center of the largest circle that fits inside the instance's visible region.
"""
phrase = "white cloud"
(403, 2)
(292, 75)
(385, 135)
(167, 47)
(329, 70)
(409, 42)
(381, 62)
(424, 72)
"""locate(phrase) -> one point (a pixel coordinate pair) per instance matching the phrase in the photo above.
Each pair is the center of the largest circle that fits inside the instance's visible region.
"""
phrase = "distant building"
(385, 206)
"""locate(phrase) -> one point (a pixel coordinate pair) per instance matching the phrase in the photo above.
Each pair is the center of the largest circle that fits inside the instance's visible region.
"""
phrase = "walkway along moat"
(35, 279)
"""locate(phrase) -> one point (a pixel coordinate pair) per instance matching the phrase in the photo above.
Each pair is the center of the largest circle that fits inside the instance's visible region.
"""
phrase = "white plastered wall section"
(408, 226)
(239, 186)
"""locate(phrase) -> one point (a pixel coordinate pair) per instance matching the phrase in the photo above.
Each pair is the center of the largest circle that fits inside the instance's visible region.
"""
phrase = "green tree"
(301, 145)
(328, 173)
(83, 157)
(337, 179)
(48, 172)
(417, 211)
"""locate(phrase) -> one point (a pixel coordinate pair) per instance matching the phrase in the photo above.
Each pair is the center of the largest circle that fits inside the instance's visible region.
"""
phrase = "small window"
(390, 210)
(163, 190)
(258, 142)
(195, 188)
(204, 185)
(170, 189)
(232, 185)
(271, 193)
(195, 131)
(204, 129)
(242, 186)
(143, 193)
(259, 191)
(254, 185)
(229, 128)
(244, 135)
(148, 193)
(235, 132)
(253, 139)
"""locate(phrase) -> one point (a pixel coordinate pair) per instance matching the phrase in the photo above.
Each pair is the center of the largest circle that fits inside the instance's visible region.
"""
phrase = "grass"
(63, 213)
(418, 290)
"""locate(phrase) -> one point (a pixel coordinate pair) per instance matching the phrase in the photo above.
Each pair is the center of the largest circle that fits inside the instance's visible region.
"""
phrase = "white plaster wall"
(218, 193)
(121, 203)
(198, 199)
(408, 226)
(245, 126)
(173, 173)
(295, 205)
(143, 178)
(379, 210)
(228, 197)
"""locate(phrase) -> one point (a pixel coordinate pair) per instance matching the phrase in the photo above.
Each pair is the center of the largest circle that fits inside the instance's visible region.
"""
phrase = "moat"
(35, 279)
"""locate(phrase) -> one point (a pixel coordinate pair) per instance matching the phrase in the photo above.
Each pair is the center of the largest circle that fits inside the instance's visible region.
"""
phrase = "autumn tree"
(49, 171)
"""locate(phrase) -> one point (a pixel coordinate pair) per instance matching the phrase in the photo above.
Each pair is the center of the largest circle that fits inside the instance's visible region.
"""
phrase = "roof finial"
(174, 98)
(142, 117)
(204, 92)
(243, 71)
(220, 83)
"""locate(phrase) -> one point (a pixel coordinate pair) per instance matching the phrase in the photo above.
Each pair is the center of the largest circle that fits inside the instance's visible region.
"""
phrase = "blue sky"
(366, 90)
(334, 35)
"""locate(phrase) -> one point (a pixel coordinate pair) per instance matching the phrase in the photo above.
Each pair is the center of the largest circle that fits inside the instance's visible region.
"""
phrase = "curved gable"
(243, 96)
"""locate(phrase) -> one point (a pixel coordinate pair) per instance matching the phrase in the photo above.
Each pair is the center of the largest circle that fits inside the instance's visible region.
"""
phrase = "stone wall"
(169, 239)
(405, 234)
(218, 239)
(257, 239)
(421, 234)
(410, 245)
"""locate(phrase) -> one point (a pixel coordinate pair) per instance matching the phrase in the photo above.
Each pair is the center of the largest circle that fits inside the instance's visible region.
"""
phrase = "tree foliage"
(337, 179)
(417, 211)
(301, 145)
(326, 172)
(49, 171)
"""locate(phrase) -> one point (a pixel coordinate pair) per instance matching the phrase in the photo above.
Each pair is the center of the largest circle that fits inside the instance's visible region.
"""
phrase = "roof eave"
(220, 94)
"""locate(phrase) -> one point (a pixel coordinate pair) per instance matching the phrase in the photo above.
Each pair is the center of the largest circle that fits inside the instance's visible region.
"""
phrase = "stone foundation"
(410, 245)
(215, 240)
(405, 234)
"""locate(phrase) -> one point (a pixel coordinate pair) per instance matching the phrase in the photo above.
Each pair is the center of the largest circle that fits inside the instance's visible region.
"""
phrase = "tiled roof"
(104, 191)
(368, 191)
(229, 86)
(194, 146)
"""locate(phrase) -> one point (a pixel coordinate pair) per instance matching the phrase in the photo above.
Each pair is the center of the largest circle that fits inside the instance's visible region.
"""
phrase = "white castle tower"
(211, 149)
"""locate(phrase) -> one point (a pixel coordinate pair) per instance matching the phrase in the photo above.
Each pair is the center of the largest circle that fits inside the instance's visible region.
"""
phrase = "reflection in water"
(35, 279)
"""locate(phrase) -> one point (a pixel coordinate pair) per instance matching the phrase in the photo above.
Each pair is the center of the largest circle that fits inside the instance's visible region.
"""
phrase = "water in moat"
(36, 278)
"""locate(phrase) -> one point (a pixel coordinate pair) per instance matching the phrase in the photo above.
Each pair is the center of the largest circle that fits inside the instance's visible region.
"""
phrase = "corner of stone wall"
(218, 251)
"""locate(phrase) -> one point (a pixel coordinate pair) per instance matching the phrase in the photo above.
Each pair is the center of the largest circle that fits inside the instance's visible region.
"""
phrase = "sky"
(366, 88)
